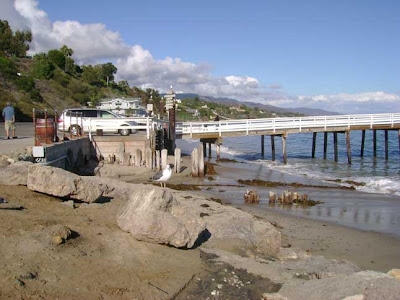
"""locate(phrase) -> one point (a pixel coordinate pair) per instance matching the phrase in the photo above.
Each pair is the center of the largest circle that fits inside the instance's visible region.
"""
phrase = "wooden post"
(325, 143)
(273, 147)
(335, 146)
(158, 160)
(362, 143)
(204, 149)
(374, 139)
(164, 158)
(284, 148)
(201, 160)
(138, 158)
(149, 156)
(386, 144)
(314, 139)
(195, 163)
(348, 147)
(218, 151)
(262, 146)
(177, 162)
(209, 150)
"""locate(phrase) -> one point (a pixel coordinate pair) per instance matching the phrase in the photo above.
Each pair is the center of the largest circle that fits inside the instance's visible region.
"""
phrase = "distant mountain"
(228, 101)
(312, 111)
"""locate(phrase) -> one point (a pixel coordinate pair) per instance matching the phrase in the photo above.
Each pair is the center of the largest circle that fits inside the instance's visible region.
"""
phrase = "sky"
(340, 55)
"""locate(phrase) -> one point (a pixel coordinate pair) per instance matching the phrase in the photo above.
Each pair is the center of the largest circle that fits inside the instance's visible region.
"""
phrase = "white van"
(78, 120)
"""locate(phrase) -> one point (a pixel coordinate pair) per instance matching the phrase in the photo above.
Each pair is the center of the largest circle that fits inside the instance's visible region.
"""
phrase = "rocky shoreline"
(99, 237)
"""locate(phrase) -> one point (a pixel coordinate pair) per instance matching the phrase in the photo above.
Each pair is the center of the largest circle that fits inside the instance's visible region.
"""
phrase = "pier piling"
(325, 143)
(374, 141)
(284, 148)
(386, 144)
(273, 146)
(362, 143)
(335, 146)
(348, 146)
(314, 140)
(262, 146)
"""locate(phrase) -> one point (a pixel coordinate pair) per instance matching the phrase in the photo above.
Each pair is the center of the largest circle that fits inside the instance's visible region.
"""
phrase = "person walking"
(9, 120)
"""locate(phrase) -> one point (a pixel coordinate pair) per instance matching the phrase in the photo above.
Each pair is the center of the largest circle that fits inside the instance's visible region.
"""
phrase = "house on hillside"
(124, 107)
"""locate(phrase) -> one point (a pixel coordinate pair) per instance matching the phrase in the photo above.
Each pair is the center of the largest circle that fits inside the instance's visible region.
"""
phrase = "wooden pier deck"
(211, 132)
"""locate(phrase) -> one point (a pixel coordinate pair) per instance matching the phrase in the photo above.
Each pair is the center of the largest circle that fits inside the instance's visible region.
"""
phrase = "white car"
(76, 120)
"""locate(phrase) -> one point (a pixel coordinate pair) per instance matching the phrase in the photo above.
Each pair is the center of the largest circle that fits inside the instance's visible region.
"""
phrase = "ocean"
(375, 205)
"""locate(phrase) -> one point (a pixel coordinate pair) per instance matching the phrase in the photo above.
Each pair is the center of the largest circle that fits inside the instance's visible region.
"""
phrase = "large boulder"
(233, 229)
(154, 215)
(15, 174)
(61, 183)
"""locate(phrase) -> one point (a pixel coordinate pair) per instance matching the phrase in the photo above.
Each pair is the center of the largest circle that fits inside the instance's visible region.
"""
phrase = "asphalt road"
(24, 132)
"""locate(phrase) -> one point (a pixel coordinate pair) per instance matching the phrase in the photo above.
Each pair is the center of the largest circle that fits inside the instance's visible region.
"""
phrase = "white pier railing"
(299, 124)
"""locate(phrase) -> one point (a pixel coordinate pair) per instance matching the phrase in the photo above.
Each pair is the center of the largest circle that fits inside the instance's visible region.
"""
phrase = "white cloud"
(94, 43)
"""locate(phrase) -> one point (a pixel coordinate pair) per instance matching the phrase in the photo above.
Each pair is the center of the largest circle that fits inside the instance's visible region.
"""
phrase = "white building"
(124, 106)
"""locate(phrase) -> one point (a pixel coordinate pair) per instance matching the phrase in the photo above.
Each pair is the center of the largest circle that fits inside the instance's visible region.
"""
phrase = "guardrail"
(246, 126)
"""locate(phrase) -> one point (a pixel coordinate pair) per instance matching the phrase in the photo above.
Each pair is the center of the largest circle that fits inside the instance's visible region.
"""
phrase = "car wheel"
(75, 130)
(124, 132)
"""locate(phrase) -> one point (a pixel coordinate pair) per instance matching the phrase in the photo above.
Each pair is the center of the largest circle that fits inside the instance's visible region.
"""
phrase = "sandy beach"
(101, 261)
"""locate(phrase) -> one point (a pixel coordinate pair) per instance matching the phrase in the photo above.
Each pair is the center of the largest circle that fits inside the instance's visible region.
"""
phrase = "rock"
(62, 231)
(394, 273)
(232, 229)
(292, 254)
(153, 214)
(355, 297)
(69, 203)
(4, 161)
(61, 183)
(56, 240)
(15, 173)
(369, 284)
(273, 296)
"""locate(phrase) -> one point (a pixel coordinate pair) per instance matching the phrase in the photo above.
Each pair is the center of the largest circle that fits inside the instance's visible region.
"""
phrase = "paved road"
(25, 134)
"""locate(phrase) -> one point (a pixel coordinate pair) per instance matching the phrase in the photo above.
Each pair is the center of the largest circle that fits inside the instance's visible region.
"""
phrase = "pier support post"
(314, 140)
(348, 145)
(386, 144)
(201, 160)
(204, 149)
(325, 143)
(209, 150)
(218, 151)
(399, 140)
(262, 146)
(335, 146)
(164, 158)
(374, 139)
(177, 160)
(284, 148)
(362, 143)
(273, 146)
(195, 163)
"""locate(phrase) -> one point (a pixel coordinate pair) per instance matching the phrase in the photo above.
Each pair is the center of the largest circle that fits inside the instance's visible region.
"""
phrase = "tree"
(69, 62)
(13, 44)
(107, 72)
(57, 58)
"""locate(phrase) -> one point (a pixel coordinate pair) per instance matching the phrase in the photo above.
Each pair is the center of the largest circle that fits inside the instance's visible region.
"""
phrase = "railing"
(246, 126)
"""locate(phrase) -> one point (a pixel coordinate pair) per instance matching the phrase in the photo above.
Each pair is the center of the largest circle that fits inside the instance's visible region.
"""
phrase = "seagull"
(163, 176)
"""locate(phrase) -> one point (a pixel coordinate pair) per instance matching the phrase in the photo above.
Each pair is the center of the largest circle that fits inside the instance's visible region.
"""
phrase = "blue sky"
(287, 53)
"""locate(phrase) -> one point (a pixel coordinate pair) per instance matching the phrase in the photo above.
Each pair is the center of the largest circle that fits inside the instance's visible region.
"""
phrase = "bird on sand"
(163, 176)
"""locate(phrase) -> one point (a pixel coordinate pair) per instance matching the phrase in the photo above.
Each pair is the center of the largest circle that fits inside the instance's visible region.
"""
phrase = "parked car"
(76, 120)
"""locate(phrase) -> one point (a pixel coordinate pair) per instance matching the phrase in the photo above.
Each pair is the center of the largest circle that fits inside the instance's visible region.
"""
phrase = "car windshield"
(107, 115)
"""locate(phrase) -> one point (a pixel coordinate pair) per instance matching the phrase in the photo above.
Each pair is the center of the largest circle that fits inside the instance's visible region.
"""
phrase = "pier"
(211, 132)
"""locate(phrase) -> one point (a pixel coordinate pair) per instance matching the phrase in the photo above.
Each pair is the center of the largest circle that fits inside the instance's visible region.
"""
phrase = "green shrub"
(25, 83)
